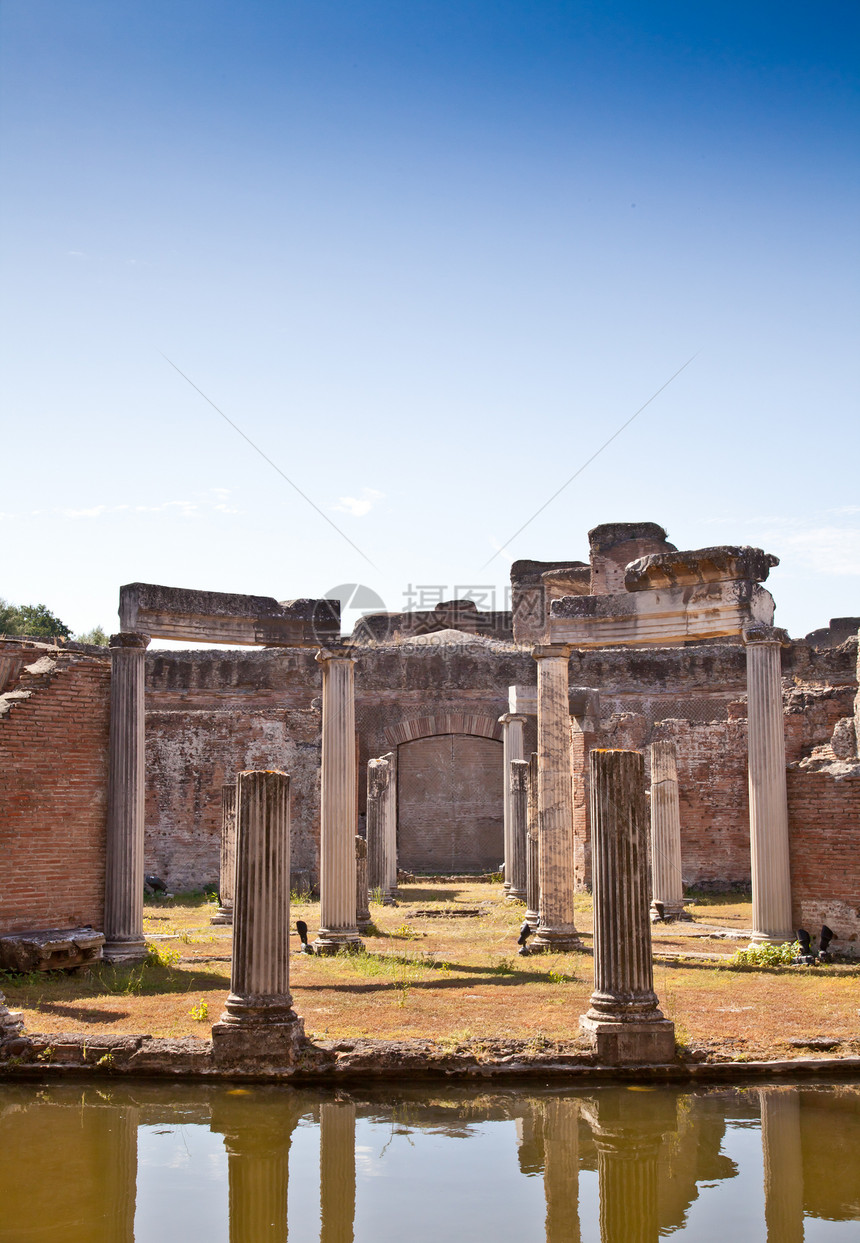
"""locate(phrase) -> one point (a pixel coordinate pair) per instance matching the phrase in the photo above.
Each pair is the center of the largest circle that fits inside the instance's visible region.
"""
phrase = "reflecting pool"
(157, 1163)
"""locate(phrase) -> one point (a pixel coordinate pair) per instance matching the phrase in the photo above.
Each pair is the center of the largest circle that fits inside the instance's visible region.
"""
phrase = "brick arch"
(475, 723)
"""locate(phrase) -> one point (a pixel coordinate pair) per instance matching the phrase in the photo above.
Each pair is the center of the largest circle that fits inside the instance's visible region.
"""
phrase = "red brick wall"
(53, 792)
(824, 834)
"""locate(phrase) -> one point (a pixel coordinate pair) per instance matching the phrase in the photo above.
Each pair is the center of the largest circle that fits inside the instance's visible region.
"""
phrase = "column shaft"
(362, 909)
(623, 1020)
(519, 812)
(338, 916)
(124, 940)
(227, 874)
(771, 875)
(512, 749)
(390, 825)
(557, 929)
(379, 780)
(533, 847)
(667, 884)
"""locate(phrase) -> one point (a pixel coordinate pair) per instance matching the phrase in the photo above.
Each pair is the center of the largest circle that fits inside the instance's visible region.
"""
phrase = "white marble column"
(783, 1164)
(124, 941)
(623, 1021)
(381, 827)
(557, 930)
(533, 847)
(227, 872)
(258, 1020)
(339, 780)
(337, 1171)
(519, 811)
(771, 875)
(513, 748)
(667, 884)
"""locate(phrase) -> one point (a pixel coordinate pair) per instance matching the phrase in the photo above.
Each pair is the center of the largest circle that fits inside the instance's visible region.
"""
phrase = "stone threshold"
(75, 1055)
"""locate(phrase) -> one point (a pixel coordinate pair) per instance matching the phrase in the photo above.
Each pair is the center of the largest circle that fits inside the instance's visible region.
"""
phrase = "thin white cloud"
(182, 509)
(358, 506)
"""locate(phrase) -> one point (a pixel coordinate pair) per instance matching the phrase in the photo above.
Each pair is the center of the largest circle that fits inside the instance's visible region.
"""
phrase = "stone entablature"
(702, 565)
(225, 617)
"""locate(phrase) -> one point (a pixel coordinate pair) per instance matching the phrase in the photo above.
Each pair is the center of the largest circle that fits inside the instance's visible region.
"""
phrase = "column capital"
(544, 651)
(510, 718)
(336, 651)
(758, 632)
(129, 640)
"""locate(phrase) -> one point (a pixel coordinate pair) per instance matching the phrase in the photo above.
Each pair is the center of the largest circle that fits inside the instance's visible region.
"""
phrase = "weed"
(377, 896)
(300, 897)
(765, 955)
(161, 955)
(503, 966)
(406, 933)
(558, 977)
(106, 1059)
(200, 1011)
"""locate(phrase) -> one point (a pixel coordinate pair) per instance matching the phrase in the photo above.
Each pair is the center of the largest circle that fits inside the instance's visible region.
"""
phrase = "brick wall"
(53, 787)
(824, 828)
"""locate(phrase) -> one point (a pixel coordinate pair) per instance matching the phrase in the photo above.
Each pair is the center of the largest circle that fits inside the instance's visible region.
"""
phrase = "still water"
(156, 1163)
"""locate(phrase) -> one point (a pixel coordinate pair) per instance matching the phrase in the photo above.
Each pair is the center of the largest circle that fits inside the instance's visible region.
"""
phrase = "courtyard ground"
(442, 966)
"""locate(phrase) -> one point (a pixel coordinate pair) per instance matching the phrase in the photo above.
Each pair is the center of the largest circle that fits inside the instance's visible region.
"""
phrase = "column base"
(555, 940)
(277, 1043)
(771, 938)
(128, 951)
(630, 1043)
(333, 942)
(516, 895)
(223, 915)
(364, 924)
(532, 918)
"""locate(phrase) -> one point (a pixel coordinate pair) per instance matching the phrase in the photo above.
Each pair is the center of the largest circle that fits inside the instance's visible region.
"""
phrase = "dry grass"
(453, 980)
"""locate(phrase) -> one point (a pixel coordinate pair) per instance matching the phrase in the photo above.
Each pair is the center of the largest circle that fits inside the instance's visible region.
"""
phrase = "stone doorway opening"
(450, 813)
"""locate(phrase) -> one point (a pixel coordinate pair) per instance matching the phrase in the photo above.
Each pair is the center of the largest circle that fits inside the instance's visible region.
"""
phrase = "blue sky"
(428, 257)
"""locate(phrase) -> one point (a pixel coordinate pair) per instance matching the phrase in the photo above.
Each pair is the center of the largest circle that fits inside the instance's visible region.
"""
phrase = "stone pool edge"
(71, 1055)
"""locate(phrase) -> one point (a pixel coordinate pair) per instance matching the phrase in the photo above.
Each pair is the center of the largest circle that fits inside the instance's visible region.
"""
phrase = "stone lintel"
(660, 618)
(700, 565)
(223, 617)
(630, 1043)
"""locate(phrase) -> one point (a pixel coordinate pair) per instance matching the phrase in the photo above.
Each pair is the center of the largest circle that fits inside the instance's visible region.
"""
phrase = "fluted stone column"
(624, 1022)
(257, 1136)
(667, 884)
(337, 1171)
(533, 847)
(227, 874)
(513, 748)
(771, 875)
(519, 812)
(124, 940)
(561, 1169)
(339, 783)
(783, 1164)
(362, 909)
(259, 1022)
(627, 1134)
(557, 930)
(381, 827)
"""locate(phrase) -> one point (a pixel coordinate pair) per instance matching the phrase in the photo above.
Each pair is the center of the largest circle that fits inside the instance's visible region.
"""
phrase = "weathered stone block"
(50, 949)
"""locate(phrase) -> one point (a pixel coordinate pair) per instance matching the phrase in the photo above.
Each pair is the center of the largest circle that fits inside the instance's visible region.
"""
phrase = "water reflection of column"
(628, 1135)
(337, 1171)
(120, 1169)
(783, 1164)
(257, 1136)
(561, 1169)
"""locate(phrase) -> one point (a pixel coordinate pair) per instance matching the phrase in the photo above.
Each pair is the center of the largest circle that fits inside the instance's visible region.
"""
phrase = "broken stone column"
(338, 919)
(124, 941)
(337, 1171)
(771, 875)
(362, 909)
(783, 1164)
(561, 1169)
(533, 848)
(381, 827)
(519, 812)
(259, 1022)
(557, 930)
(257, 1137)
(11, 1022)
(623, 1022)
(667, 884)
(227, 875)
(512, 749)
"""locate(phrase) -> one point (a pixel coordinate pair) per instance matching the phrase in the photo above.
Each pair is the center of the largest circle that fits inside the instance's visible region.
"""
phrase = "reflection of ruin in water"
(393, 1164)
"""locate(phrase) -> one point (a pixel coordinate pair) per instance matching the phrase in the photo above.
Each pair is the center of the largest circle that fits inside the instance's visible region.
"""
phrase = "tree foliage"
(35, 620)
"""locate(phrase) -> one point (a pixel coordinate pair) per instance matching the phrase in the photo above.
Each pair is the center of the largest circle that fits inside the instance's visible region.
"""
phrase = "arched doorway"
(450, 815)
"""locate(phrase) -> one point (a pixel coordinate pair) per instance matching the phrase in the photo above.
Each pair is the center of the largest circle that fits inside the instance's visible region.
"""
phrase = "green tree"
(35, 620)
(96, 636)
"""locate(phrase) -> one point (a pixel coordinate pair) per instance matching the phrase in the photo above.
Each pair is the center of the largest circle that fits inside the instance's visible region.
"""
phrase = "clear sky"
(428, 255)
